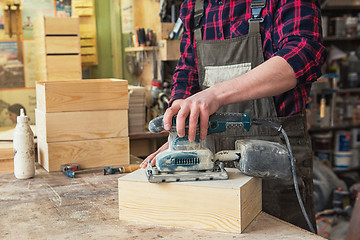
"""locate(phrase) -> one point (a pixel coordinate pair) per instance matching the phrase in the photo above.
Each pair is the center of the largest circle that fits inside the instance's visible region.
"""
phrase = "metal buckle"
(256, 7)
(198, 16)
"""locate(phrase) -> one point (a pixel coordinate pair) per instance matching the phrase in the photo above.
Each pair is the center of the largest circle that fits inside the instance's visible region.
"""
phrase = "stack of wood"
(85, 11)
(82, 121)
(137, 109)
(57, 44)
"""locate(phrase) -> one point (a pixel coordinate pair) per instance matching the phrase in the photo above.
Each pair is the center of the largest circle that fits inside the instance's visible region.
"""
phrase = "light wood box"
(57, 26)
(6, 158)
(165, 30)
(57, 49)
(62, 45)
(82, 95)
(169, 50)
(87, 153)
(58, 67)
(82, 125)
(224, 205)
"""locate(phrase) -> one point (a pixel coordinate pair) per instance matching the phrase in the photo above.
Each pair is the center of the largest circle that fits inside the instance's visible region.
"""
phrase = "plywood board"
(63, 76)
(82, 125)
(63, 63)
(224, 205)
(89, 153)
(62, 44)
(61, 26)
(82, 95)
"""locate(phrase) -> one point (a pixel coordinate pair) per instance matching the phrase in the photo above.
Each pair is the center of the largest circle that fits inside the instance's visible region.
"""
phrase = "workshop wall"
(17, 62)
(104, 69)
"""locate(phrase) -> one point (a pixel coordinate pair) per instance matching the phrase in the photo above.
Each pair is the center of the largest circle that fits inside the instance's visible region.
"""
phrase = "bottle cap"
(22, 118)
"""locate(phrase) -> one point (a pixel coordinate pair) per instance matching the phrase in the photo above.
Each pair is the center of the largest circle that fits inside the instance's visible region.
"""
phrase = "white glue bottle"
(24, 152)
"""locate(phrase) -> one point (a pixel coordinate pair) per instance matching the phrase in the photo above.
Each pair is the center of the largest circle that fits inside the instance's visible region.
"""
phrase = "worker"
(14, 111)
(257, 57)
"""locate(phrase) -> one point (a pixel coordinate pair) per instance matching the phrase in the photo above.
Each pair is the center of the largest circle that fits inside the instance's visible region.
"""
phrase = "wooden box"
(82, 125)
(165, 30)
(169, 50)
(224, 205)
(61, 26)
(82, 95)
(6, 158)
(62, 44)
(57, 49)
(48, 26)
(87, 153)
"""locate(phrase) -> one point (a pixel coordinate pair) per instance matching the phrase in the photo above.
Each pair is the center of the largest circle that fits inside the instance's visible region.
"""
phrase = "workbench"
(53, 206)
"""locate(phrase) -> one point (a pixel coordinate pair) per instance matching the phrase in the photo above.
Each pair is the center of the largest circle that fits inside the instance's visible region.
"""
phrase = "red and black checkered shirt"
(291, 30)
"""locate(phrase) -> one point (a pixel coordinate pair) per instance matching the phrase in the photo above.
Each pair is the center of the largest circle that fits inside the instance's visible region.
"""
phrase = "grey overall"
(221, 60)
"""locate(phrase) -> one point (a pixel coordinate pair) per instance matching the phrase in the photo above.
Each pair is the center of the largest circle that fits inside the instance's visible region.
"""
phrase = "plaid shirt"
(291, 30)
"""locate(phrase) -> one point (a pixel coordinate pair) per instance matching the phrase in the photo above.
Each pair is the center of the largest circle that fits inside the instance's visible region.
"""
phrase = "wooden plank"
(208, 205)
(82, 95)
(83, 125)
(88, 153)
(85, 50)
(63, 76)
(63, 63)
(62, 45)
(89, 59)
(87, 42)
(61, 26)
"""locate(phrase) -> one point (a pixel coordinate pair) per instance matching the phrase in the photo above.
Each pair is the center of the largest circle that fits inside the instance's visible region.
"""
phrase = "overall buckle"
(256, 7)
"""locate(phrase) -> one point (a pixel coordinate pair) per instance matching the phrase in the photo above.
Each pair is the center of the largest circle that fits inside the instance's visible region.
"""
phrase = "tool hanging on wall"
(134, 62)
(13, 23)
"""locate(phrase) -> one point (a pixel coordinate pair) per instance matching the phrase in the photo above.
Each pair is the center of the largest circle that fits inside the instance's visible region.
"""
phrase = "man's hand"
(200, 105)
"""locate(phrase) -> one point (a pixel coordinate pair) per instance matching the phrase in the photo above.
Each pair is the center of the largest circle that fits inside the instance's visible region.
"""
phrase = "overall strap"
(198, 17)
(256, 19)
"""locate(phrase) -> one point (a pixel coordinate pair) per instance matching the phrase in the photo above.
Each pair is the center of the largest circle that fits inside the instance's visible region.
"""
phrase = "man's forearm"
(271, 78)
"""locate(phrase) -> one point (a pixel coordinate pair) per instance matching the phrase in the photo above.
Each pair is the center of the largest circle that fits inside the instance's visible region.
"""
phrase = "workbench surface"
(53, 206)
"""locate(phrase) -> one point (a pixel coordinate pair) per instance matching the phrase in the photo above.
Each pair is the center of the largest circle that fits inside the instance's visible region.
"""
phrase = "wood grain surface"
(83, 125)
(206, 205)
(82, 95)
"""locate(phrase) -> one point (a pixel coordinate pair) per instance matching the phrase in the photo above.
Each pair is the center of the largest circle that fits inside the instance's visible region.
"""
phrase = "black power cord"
(279, 128)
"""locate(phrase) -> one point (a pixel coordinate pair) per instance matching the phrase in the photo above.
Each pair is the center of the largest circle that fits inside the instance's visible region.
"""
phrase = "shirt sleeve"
(297, 35)
(185, 78)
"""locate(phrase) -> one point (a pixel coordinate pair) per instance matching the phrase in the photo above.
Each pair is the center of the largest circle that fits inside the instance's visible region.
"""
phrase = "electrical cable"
(279, 128)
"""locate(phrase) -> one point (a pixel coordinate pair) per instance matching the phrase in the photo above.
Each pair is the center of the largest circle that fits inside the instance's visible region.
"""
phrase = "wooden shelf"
(140, 49)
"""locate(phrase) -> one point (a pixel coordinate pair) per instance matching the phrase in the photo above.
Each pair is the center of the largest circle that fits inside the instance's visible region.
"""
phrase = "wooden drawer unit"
(57, 44)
